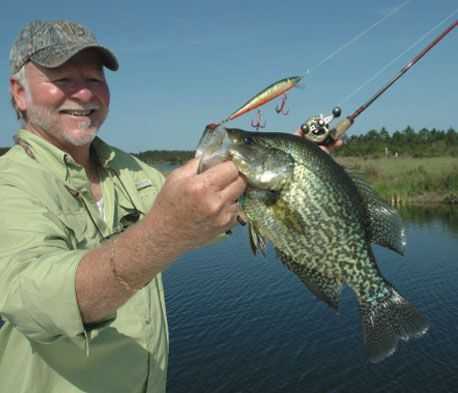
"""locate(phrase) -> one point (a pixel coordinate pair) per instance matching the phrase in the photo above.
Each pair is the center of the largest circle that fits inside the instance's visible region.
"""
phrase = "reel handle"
(341, 128)
(317, 128)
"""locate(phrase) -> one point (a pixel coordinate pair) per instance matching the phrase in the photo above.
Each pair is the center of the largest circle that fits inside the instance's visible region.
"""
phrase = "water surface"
(240, 323)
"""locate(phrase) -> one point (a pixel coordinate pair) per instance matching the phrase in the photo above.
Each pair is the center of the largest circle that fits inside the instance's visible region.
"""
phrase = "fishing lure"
(274, 90)
(259, 122)
(281, 108)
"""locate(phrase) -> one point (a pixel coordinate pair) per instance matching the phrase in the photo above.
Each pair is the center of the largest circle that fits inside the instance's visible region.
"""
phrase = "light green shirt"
(48, 221)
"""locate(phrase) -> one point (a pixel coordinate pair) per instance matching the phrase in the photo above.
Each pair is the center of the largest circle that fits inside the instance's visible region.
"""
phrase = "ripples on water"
(240, 323)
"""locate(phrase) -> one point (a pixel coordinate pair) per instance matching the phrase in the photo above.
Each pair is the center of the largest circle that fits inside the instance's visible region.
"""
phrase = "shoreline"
(408, 180)
(403, 181)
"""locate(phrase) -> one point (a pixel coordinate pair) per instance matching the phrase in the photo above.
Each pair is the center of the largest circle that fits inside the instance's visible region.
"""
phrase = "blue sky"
(185, 64)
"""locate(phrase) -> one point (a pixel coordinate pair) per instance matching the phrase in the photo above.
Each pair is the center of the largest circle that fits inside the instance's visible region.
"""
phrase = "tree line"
(407, 142)
(374, 143)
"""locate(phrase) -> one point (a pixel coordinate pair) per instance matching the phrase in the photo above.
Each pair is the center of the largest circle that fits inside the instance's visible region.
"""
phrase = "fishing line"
(283, 85)
(383, 69)
(357, 37)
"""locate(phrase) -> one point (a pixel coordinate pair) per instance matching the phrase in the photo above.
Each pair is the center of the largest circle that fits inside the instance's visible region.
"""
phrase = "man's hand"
(328, 148)
(192, 209)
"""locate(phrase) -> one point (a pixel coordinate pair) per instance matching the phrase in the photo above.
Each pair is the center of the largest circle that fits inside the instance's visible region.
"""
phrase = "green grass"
(411, 180)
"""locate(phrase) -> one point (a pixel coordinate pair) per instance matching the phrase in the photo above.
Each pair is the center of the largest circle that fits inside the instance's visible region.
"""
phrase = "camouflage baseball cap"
(52, 43)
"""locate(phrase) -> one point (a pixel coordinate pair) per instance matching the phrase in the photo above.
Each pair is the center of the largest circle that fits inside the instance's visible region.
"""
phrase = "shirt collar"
(58, 161)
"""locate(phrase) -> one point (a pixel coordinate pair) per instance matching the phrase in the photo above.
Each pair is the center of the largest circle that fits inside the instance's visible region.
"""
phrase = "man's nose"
(83, 92)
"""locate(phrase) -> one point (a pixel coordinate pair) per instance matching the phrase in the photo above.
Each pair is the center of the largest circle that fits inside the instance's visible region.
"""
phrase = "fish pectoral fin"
(257, 241)
(326, 289)
(386, 227)
(268, 197)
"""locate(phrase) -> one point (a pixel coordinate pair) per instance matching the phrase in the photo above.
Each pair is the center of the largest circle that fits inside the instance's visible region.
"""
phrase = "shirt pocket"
(81, 233)
(147, 192)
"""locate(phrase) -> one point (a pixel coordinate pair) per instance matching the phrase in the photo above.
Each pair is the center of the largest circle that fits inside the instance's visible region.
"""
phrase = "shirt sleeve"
(38, 271)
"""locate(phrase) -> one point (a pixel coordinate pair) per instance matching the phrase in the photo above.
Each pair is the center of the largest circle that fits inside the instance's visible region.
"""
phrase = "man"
(86, 229)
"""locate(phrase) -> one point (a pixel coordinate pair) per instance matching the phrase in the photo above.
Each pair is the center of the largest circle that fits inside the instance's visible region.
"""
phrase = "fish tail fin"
(387, 320)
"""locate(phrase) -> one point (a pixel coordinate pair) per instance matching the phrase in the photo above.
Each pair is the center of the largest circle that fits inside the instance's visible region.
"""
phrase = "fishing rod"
(317, 128)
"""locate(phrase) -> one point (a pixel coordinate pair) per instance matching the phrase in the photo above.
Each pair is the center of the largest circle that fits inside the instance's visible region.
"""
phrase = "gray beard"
(47, 121)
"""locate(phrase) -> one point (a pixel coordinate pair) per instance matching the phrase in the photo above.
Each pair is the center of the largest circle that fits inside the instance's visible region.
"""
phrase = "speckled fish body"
(321, 221)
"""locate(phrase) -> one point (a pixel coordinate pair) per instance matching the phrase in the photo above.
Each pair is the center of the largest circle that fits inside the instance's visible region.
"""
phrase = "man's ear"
(18, 93)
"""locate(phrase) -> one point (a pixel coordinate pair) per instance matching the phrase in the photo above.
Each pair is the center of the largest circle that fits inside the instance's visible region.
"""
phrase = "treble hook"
(281, 107)
(258, 123)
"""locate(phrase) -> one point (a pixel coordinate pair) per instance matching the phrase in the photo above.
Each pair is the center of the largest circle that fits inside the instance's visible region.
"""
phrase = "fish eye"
(248, 140)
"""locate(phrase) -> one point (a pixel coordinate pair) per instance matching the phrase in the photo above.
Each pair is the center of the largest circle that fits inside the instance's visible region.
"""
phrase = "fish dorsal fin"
(326, 289)
(386, 227)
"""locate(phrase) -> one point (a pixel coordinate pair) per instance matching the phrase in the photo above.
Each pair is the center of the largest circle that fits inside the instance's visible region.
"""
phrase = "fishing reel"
(317, 128)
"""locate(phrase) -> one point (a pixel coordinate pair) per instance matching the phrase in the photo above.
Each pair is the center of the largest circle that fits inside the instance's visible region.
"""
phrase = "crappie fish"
(321, 221)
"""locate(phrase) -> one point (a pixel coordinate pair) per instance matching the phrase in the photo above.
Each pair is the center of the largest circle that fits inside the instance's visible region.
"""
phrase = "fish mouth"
(211, 139)
(213, 147)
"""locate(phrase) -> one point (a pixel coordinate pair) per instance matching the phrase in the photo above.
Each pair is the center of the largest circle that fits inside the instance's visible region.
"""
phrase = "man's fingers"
(299, 132)
(242, 218)
(339, 143)
(333, 146)
(221, 175)
(190, 166)
(232, 192)
(235, 212)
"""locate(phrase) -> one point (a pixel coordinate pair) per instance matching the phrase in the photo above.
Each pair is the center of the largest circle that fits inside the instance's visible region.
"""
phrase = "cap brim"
(52, 57)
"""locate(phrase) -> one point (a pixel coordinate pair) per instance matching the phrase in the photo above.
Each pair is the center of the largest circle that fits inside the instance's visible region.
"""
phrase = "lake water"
(240, 323)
